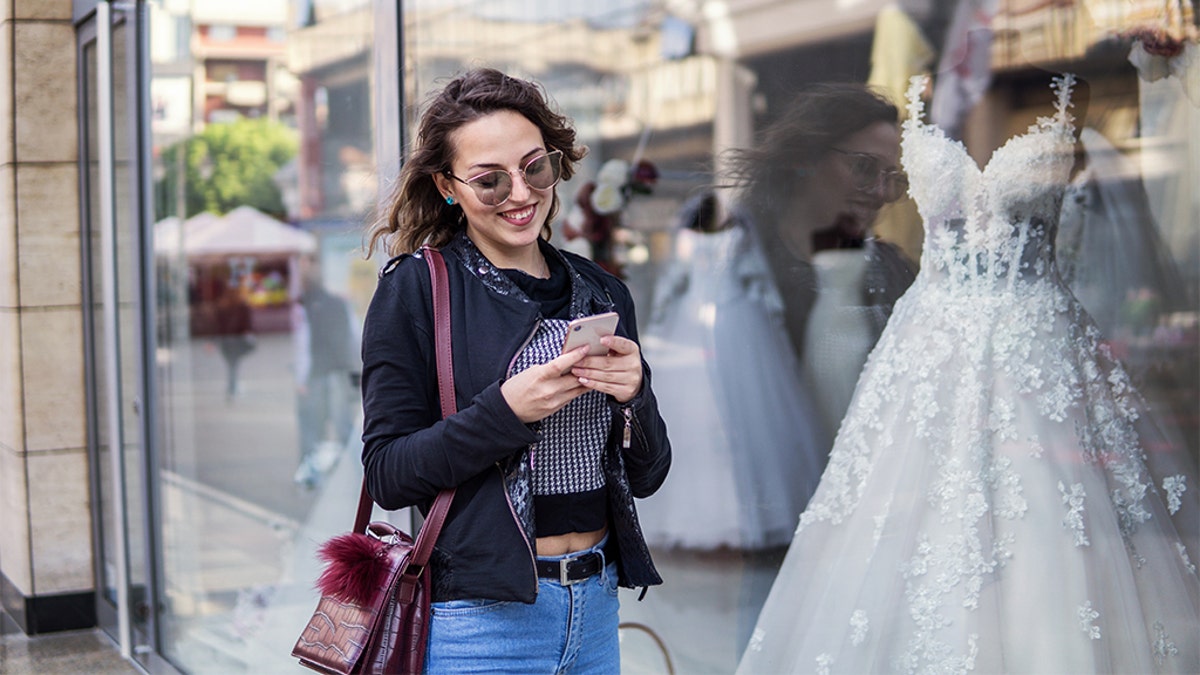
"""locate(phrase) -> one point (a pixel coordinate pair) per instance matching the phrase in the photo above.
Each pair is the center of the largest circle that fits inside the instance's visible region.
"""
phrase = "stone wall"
(46, 562)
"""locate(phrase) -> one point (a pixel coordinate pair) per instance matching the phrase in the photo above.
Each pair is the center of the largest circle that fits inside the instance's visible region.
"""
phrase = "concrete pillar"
(46, 569)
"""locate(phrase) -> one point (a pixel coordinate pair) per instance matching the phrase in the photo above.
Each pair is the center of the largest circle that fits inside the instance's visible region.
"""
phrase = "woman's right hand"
(540, 391)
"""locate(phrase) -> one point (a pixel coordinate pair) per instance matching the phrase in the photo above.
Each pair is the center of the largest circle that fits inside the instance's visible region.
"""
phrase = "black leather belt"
(573, 569)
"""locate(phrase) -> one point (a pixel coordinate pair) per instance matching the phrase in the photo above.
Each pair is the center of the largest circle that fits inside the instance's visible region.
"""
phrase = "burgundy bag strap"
(445, 367)
(432, 526)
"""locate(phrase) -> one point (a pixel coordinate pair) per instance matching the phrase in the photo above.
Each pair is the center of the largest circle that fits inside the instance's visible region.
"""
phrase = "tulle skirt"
(747, 447)
(986, 509)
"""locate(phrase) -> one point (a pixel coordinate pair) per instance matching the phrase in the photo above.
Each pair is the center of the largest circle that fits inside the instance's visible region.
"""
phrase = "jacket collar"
(583, 299)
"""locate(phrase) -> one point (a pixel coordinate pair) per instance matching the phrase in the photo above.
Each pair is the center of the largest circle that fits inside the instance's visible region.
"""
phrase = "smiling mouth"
(524, 213)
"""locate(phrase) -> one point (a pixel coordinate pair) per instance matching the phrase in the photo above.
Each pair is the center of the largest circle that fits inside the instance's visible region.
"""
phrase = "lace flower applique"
(1087, 620)
(1073, 521)
(859, 625)
(1174, 487)
(1163, 645)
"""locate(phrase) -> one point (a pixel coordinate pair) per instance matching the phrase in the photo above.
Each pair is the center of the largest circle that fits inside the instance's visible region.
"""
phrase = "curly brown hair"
(415, 213)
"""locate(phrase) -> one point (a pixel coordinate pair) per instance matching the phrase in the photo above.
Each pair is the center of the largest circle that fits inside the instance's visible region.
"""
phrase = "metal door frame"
(97, 22)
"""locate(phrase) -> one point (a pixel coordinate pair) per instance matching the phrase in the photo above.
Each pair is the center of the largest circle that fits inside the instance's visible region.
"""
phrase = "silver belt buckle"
(562, 570)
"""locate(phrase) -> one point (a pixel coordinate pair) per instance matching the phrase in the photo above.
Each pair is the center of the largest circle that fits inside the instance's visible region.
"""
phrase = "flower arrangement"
(1157, 53)
(596, 215)
(617, 182)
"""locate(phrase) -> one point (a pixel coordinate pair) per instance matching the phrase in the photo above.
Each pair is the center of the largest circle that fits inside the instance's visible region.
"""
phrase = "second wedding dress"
(748, 449)
(986, 507)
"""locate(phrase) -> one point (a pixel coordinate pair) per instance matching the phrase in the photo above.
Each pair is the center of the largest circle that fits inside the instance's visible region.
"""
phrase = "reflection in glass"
(263, 172)
(265, 137)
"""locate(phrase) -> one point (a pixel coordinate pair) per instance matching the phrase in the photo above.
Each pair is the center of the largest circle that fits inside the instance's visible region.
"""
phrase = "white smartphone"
(588, 330)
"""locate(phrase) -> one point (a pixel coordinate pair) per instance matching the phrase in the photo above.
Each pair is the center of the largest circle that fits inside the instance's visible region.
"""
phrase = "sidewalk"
(65, 653)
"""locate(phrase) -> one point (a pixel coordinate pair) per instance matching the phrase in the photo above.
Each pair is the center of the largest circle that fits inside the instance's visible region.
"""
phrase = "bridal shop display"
(999, 516)
(729, 389)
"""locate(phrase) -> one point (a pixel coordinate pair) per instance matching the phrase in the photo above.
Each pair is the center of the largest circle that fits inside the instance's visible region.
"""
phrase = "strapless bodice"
(996, 223)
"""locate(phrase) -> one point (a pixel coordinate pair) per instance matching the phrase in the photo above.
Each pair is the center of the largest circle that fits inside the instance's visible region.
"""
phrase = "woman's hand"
(540, 391)
(618, 374)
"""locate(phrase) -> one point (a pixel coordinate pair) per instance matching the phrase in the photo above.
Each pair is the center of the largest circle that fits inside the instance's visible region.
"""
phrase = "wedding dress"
(986, 506)
(840, 331)
(748, 449)
(1109, 248)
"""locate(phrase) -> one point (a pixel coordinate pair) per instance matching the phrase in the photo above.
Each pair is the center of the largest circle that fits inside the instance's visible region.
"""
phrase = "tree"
(227, 165)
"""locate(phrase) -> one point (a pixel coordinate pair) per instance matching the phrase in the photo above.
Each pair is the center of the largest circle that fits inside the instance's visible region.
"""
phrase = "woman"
(547, 449)
(811, 192)
(236, 335)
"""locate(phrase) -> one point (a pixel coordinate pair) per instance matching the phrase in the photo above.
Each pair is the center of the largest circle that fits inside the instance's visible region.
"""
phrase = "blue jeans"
(570, 629)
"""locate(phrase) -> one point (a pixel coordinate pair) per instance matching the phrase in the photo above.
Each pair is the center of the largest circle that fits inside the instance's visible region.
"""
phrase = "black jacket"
(486, 548)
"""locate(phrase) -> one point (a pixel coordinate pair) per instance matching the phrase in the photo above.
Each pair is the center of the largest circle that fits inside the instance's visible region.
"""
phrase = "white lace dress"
(747, 447)
(986, 507)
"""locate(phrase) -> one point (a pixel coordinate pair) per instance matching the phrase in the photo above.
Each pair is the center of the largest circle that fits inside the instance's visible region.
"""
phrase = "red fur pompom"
(357, 565)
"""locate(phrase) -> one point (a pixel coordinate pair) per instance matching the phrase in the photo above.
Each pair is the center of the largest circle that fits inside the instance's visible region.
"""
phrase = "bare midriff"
(562, 544)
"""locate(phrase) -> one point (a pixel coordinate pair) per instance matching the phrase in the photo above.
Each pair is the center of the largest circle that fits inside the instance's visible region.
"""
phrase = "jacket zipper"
(504, 480)
(627, 434)
(512, 510)
(537, 323)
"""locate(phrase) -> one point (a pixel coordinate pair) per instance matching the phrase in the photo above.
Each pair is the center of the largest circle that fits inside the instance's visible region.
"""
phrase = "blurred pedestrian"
(326, 360)
(235, 336)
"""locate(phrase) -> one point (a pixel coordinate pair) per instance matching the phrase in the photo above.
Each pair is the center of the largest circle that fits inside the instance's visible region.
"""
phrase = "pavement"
(67, 653)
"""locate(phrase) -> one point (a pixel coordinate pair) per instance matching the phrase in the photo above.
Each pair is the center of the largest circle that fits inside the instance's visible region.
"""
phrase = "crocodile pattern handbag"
(373, 616)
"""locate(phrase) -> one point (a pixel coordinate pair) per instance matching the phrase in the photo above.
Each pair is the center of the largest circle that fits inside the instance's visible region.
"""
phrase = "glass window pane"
(787, 293)
(264, 171)
(767, 267)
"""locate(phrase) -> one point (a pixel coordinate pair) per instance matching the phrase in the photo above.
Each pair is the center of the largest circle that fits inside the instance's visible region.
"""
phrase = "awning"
(243, 231)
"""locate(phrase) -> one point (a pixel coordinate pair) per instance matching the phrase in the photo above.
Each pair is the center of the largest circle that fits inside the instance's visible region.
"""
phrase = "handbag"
(373, 615)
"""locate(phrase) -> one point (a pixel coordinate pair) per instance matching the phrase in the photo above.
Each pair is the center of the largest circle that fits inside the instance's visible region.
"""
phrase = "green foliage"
(226, 166)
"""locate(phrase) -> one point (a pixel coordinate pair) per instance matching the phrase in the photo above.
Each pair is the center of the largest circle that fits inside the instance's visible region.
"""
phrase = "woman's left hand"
(618, 373)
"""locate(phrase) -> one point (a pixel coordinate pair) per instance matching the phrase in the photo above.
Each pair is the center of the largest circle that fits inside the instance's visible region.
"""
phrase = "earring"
(450, 200)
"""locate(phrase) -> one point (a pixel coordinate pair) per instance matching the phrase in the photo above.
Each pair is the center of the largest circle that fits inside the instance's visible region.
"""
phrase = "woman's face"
(833, 197)
(503, 140)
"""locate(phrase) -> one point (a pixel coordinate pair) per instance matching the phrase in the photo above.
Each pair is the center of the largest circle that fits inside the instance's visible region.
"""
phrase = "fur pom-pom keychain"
(356, 567)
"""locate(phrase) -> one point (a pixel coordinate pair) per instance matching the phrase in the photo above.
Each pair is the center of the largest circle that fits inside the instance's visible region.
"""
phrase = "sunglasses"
(494, 187)
(867, 172)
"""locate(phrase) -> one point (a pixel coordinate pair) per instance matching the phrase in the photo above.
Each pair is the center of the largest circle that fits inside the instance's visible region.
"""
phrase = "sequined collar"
(491, 276)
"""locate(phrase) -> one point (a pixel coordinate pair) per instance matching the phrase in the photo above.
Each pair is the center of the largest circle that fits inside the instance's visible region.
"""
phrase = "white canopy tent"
(207, 249)
(244, 231)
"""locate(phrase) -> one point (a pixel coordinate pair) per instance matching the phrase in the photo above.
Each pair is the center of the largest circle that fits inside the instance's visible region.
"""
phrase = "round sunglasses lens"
(493, 187)
(543, 172)
(897, 187)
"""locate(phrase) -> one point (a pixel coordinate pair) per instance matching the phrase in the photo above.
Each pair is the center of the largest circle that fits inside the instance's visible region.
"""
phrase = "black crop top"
(570, 493)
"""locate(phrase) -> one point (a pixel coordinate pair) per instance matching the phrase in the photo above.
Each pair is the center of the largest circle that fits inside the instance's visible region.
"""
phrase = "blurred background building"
(160, 159)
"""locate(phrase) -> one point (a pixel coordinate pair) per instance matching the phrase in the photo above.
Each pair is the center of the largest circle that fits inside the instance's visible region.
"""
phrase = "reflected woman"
(811, 191)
